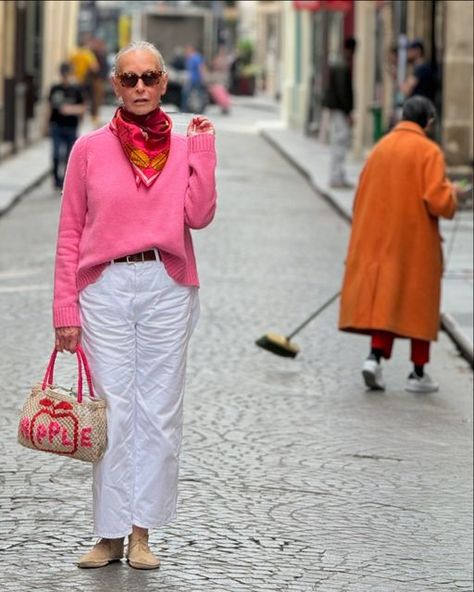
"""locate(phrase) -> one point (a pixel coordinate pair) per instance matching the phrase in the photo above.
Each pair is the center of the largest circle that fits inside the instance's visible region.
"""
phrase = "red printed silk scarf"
(145, 140)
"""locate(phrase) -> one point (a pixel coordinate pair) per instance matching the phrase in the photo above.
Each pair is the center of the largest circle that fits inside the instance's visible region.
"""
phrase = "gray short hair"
(419, 109)
(136, 46)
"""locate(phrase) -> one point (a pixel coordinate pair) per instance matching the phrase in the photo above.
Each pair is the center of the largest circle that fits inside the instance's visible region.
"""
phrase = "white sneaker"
(421, 384)
(372, 373)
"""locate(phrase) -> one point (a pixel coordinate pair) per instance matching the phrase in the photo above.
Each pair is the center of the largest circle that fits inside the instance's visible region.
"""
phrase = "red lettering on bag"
(53, 430)
(25, 427)
(41, 432)
(64, 438)
(61, 423)
(86, 437)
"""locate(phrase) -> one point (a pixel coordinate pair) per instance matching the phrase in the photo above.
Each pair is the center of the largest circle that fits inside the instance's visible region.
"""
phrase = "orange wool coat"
(394, 264)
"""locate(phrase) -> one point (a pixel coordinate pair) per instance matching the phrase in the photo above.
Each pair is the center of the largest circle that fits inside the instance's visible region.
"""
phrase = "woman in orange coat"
(392, 282)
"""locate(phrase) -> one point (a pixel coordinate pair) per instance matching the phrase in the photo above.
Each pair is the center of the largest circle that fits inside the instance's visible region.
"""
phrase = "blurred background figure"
(178, 61)
(194, 97)
(220, 79)
(339, 100)
(422, 80)
(221, 67)
(66, 107)
(392, 283)
(98, 77)
(84, 67)
(397, 95)
(177, 78)
(234, 69)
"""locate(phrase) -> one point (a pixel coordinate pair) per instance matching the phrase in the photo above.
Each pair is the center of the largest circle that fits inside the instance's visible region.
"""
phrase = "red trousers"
(420, 350)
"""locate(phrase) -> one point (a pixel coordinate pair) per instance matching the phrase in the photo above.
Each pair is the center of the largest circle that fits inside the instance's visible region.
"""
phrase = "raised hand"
(200, 125)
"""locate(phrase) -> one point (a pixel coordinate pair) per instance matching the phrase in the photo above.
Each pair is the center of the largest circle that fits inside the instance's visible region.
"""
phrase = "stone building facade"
(380, 27)
(35, 37)
(458, 95)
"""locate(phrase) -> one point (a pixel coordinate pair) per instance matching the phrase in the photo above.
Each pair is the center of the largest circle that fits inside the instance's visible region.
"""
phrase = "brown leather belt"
(139, 257)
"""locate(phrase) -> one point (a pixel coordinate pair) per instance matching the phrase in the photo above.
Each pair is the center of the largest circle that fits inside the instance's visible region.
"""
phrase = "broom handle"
(452, 238)
(315, 314)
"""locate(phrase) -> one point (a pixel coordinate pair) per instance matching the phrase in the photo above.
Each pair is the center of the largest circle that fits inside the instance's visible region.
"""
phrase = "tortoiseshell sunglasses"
(150, 78)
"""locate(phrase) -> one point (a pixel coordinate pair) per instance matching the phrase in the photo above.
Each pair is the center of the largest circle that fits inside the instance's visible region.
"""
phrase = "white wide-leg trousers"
(136, 324)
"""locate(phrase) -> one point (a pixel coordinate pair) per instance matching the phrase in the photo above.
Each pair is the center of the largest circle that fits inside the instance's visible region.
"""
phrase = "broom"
(282, 346)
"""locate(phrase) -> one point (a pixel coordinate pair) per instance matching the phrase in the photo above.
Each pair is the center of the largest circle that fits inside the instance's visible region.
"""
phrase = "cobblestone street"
(293, 477)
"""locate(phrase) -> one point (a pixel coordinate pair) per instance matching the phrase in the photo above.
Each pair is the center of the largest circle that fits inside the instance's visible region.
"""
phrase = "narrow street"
(293, 477)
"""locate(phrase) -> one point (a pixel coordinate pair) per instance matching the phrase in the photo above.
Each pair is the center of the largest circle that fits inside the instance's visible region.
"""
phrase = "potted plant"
(247, 70)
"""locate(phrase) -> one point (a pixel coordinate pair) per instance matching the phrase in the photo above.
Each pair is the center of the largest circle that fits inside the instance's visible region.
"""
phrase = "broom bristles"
(277, 344)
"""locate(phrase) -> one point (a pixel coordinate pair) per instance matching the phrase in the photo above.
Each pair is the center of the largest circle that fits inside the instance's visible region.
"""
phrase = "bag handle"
(47, 380)
(87, 370)
(82, 363)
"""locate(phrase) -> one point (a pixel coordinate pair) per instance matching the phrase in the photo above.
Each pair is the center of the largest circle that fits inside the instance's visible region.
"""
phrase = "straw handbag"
(54, 420)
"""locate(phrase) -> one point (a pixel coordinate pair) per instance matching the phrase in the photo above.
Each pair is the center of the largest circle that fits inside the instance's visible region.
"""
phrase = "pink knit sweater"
(104, 215)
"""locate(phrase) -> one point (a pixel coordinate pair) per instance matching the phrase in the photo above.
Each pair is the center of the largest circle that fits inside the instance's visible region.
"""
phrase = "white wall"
(59, 37)
(297, 66)
(363, 75)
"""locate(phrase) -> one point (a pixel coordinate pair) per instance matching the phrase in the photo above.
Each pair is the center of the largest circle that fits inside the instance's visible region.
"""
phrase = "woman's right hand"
(67, 338)
(200, 125)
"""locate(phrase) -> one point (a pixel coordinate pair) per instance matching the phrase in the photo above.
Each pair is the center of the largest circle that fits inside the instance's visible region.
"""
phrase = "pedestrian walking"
(422, 79)
(126, 287)
(84, 68)
(193, 97)
(98, 78)
(221, 67)
(220, 79)
(392, 66)
(392, 280)
(66, 107)
(339, 99)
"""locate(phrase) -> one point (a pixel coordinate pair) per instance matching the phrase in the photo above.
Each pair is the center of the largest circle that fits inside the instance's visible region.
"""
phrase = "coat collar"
(409, 126)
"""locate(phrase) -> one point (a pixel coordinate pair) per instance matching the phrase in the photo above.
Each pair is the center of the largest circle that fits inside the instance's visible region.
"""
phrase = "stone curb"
(334, 203)
(19, 195)
(448, 323)
(464, 345)
(19, 189)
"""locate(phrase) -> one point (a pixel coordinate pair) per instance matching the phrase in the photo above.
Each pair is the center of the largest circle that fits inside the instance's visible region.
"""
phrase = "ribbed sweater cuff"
(66, 316)
(202, 143)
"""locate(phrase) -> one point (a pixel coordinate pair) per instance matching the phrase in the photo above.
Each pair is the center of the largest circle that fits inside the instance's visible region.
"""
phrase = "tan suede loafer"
(104, 552)
(139, 555)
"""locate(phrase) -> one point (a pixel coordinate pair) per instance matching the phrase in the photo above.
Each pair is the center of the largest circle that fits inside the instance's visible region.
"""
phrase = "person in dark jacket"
(339, 99)
(66, 107)
(422, 80)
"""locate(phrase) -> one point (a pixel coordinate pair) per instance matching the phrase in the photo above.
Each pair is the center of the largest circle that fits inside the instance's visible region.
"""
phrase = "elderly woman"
(392, 281)
(126, 286)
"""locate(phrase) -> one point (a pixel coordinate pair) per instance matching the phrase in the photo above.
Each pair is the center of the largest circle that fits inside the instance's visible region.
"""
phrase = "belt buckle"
(132, 261)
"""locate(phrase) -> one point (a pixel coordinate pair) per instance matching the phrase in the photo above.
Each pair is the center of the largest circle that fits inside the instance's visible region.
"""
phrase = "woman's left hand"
(200, 125)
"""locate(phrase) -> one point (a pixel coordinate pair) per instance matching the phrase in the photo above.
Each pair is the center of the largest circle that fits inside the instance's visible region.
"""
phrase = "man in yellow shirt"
(83, 62)
(84, 65)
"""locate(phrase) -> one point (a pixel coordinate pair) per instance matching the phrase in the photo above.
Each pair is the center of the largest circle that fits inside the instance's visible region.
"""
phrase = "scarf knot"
(145, 140)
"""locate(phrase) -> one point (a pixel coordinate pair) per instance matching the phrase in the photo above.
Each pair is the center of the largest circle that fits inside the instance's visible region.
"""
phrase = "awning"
(330, 5)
